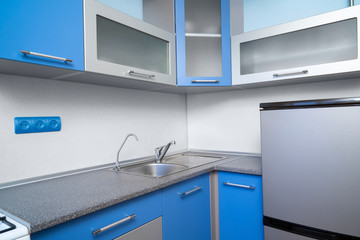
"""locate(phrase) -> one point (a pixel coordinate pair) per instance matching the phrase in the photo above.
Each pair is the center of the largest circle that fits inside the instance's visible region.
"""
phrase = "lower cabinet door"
(240, 207)
(148, 231)
(108, 223)
(186, 210)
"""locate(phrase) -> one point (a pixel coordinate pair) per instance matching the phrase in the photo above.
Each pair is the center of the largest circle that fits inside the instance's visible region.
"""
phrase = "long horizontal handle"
(113, 224)
(137, 74)
(191, 191)
(239, 185)
(205, 81)
(290, 73)
(46, 56)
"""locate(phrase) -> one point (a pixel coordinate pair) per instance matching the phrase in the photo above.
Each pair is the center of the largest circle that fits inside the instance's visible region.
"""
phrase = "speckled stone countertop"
(47, 203)
(247, 165)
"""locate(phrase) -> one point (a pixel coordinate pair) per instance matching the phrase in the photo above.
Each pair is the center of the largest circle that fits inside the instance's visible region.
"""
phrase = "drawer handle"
(137, 74)
(45, 56)
(290, 73)
(113, 224)
(205, 81)
(239, 185)
(191, 191)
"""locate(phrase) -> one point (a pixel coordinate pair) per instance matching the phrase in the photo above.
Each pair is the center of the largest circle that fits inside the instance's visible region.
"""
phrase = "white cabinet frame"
(92, 8)
(326, 71)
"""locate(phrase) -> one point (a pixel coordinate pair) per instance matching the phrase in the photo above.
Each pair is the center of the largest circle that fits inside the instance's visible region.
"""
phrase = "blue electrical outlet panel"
(37, 124)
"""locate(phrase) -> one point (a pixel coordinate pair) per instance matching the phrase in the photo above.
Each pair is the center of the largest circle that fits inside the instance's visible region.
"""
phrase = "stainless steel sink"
(154, 169)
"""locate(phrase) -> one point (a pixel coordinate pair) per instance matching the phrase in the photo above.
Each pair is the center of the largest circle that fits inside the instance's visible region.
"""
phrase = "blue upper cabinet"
(240, 206)
(203, 42)
(264, 13)
(48, 32)
(186, 210)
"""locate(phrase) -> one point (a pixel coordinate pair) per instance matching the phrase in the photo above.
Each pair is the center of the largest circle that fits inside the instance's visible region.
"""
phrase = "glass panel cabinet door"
(122, 45)
(203, 42)
(313, 48)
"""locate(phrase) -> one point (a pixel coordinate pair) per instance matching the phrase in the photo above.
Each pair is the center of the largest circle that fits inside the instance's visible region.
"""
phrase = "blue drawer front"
(187, 217)
(48, 27)
(182, 79)
(146, 208)
(241, 210)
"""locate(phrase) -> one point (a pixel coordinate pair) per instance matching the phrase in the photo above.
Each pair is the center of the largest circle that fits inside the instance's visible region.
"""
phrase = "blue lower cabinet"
(43, 32)
(135, 213)
(186, 210)
(240, 207)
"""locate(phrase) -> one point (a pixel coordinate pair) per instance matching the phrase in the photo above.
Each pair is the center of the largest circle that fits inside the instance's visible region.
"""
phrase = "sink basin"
(154, 169)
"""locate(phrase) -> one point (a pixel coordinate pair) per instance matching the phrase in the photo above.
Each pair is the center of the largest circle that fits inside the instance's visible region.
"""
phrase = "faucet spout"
(161, 151)
(117, 164)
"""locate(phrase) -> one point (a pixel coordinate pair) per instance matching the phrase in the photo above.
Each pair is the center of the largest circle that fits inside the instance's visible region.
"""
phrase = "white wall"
(95, 121)
(230, 121)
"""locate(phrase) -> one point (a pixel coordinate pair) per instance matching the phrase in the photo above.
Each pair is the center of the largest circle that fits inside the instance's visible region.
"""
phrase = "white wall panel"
(95, 121)
(230, 121)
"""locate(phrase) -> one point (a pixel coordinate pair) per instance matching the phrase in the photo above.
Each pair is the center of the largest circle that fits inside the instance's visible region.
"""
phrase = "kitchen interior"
(227, 119)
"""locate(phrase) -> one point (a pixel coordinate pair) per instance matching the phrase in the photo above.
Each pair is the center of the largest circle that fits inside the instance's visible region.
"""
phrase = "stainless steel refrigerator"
(311, 169)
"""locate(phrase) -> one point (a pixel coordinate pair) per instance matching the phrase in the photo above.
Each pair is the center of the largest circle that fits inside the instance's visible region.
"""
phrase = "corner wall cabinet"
(312, 48)
(203, 42)
(186, 210)
(121, 45)
(240, 206)
(133, 214)
(43, 32)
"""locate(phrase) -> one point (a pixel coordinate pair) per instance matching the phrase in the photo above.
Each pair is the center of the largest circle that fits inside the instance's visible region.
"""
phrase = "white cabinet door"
(121, 45)
(312, 48)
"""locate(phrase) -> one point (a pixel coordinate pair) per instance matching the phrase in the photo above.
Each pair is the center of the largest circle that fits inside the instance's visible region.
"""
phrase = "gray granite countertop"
(247, 165)
(47, 203)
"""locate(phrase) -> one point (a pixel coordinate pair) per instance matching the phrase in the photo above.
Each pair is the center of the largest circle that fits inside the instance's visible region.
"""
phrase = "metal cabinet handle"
(114, 224)
(191, 191)
(133, 73)
(45, 56)
(239, 185)
(290, 73)
(205, 81)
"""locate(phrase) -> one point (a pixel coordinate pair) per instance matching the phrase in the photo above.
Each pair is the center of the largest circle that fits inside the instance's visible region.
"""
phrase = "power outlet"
(36, 124)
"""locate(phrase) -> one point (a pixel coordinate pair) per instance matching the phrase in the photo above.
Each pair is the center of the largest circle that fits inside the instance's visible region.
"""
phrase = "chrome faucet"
(117, 164)
(161, 151)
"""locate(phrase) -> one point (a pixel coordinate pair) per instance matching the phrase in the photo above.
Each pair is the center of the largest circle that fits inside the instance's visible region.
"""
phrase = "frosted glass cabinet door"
(318, 46)
(203, 42)
(121, 45)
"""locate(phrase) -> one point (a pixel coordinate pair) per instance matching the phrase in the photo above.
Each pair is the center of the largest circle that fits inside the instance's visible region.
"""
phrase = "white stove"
(12, 230)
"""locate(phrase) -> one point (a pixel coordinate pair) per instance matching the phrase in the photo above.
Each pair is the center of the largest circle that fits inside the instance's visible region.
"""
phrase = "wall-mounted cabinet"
(316, 47)
(203, 42)
(260, 14)
(43, 32)
(122, 45)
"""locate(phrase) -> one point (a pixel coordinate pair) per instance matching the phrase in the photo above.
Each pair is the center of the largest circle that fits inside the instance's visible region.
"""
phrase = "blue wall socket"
(37, 124)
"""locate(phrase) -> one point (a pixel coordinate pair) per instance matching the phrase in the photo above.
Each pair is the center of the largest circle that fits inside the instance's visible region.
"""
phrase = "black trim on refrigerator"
(305, 231)
(316, 103)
